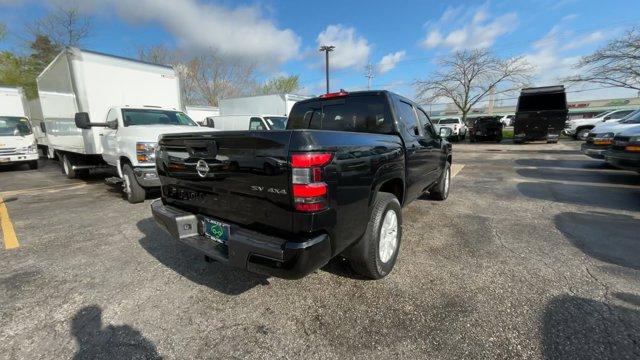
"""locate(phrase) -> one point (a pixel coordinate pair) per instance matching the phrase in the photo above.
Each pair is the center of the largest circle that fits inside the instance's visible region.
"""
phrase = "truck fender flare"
(383, 175)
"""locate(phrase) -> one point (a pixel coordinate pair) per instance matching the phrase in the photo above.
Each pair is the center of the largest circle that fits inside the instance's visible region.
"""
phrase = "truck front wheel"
(132, 190)
(375, 254)
(441, 190)
(583, 134)
(67, 167)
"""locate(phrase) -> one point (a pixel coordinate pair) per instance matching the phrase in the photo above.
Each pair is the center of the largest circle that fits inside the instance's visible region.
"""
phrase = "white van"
(247, 122)
(17, 141)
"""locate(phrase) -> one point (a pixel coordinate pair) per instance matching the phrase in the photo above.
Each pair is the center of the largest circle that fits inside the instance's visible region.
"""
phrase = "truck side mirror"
(445, 132)
(43, 127)
(82, 120)
(607, 118)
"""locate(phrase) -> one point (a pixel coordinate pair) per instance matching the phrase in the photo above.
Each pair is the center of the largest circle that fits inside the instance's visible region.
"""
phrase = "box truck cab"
(87, 124)
(17, 141)
(247, 122)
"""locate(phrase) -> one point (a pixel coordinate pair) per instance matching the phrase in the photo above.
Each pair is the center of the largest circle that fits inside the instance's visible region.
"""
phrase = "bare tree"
(3, 31)
(65, 26)
(616, 64)
(469, 76)
(206, 78)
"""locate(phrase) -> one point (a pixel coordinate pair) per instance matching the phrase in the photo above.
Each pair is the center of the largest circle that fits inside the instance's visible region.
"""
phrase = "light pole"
(327, 49)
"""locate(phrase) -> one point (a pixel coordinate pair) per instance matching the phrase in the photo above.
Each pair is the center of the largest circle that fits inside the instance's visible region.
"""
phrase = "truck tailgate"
(242, 177)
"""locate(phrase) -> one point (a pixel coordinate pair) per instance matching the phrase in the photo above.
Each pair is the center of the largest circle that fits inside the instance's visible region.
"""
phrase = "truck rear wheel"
(375, 254)
(132, 190)
(67, 167)
(33, 165)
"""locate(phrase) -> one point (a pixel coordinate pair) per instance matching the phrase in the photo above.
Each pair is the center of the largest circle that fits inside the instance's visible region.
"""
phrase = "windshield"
(448, 121)
(633, 118)
(14, 126)
(603, 114)
(139, 117)
(276, 122)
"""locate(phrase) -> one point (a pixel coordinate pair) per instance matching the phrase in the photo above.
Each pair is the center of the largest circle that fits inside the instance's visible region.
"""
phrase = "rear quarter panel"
(361, 162)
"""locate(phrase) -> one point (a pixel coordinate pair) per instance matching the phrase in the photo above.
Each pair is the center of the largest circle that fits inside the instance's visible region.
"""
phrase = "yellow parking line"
(455, 169)
(8, 234)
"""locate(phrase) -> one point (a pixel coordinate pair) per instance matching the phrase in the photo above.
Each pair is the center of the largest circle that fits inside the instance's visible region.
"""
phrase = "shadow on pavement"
(579, 328)
(601, 196)
(607, 237)
(608, 177)
(110, 342)
(567, 164)
(190, 263)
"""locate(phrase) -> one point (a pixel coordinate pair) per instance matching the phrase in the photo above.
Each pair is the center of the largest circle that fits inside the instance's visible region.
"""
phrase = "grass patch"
(507, 134)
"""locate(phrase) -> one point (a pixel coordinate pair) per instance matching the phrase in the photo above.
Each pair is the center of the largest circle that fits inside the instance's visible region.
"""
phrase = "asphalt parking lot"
(535, 254)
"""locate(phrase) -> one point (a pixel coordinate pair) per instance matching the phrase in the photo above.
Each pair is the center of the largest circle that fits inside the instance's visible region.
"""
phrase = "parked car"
(601, 137)
(458, 128)
(625, 151)
(285, 202)
(17, 141)
(88, 126)
(486, 128)
(540, 114)
(507, 120)
(580, 128)
(247, 122)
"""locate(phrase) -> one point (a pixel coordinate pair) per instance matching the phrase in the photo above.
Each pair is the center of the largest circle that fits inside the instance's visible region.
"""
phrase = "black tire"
(132, 190)
(365, 258)
(472, 139)
(441, 190)
(33, 165)
(464, 136)
(499, 140)
(67, 167)
(582, 134)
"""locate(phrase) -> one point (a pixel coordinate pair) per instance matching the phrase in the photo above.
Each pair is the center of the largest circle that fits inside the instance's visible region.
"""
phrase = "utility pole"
(369, 75)
(327, 49)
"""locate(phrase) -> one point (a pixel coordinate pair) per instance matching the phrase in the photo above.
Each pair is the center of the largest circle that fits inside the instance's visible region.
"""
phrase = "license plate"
(2, 160)
(216, 231)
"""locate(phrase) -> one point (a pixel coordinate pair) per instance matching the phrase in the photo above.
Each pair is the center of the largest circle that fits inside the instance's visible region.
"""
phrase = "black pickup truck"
(285, 202)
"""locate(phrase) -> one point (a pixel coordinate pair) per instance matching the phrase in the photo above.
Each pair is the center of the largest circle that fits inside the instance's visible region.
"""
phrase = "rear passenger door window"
(256, 124)
(407, 115)
(425, 125)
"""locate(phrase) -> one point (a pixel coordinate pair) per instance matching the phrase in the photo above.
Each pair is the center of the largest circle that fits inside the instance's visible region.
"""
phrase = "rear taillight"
(309, 191)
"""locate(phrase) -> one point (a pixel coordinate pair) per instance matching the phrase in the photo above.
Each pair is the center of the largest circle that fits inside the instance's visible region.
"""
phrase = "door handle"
(101, 134)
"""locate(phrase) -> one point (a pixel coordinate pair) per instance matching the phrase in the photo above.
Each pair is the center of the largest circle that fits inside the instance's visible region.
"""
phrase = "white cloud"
(468, 30)
(242, 32)
(553, 62)
(389, 61)
(591, 38)
(351, 50)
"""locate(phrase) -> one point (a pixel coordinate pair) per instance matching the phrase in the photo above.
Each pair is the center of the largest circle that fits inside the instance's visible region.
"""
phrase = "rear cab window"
(357, 113)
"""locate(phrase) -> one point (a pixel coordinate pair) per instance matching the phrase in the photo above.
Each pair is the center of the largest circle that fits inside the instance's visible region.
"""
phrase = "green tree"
(22, 71)
(280, 85)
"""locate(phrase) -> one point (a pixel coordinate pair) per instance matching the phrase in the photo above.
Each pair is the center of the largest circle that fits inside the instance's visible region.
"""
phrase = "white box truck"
(106, 111)
(262, 104)
(200, 113)
(17, 141)
(262, 112)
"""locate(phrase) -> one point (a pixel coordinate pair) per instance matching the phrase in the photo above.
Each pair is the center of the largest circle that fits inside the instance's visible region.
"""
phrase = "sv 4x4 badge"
(269, 190)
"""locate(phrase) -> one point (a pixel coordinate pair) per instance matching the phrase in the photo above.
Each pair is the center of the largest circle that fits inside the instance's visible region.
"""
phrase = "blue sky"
(401, 39)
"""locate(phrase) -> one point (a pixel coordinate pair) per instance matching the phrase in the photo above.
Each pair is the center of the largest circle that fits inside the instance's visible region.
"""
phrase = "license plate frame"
(216, 230)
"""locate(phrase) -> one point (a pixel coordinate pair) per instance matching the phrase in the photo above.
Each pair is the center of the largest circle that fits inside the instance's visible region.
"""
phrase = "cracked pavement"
(535, 254)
